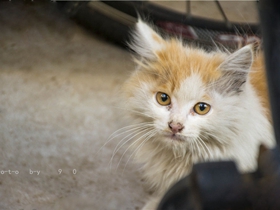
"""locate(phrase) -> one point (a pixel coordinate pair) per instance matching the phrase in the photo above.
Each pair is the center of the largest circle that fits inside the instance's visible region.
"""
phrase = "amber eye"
(202, 108)
(163, 99)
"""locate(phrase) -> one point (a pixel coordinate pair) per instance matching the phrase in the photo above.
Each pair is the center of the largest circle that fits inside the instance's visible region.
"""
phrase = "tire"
(115, 20)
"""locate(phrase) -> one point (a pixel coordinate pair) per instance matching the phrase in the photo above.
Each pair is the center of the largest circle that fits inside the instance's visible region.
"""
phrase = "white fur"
(240, 60)
(233, 129)
(145, 43)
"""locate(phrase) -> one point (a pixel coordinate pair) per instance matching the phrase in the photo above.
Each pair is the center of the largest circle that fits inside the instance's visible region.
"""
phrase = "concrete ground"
(59, 103)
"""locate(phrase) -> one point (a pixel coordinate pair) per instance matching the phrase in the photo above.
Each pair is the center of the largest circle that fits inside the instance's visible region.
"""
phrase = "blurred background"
(59, 102)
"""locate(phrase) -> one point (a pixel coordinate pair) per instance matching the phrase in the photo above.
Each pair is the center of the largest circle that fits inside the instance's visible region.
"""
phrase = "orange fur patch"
(258, 80)
(157, 38)
(175, 64)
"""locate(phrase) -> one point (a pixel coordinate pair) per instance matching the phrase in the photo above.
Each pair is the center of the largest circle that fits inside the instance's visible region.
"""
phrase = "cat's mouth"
(175, 137)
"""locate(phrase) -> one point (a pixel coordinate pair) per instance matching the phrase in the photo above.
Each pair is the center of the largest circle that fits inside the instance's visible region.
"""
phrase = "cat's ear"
(235, 69)
(146, 42)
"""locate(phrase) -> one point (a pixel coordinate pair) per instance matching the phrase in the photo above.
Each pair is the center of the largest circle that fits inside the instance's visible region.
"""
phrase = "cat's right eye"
(163, 99)
(202, 108)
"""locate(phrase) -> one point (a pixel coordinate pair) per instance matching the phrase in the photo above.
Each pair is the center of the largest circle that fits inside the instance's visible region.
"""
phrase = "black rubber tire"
(110, 26)
(98, 22)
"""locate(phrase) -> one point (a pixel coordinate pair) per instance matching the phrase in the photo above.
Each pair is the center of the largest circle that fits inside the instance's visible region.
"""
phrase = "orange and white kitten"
(194, 106)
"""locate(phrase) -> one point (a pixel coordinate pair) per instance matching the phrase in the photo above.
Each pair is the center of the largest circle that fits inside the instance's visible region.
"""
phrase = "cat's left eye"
(163, 99)
(201, 108)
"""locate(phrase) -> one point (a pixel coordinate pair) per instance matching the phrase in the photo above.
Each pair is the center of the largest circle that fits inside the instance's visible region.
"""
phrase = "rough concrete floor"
(59, 88)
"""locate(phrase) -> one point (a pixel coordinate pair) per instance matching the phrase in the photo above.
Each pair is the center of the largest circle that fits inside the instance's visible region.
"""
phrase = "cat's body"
(197, 106)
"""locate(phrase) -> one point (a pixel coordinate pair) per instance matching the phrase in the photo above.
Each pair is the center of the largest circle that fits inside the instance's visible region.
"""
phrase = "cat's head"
(186, 95)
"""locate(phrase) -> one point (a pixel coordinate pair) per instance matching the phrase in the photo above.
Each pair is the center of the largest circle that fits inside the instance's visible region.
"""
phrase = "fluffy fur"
(232, 84)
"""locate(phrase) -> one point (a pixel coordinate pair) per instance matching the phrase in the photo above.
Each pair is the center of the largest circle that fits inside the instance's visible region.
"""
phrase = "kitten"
(194, 106)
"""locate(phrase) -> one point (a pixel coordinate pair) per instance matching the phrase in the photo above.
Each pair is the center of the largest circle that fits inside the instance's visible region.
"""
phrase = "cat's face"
(181, 114)
(186, 95)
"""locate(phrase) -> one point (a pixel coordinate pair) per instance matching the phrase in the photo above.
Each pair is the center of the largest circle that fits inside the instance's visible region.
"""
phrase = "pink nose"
(175, 127)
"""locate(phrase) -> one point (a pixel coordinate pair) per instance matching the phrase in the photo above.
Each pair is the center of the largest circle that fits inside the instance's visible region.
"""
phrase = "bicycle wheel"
(114, 20)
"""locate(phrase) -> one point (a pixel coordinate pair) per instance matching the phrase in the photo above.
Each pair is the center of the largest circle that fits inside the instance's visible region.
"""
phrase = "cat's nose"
(175, 127)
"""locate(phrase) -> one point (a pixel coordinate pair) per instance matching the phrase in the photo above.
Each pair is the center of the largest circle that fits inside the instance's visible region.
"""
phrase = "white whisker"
(134, 134)
(204, 146)
(198, 149)
(139, 147)
(192, 145)
(215, 137)
(113, 136)
(143, 136)
(134, 130)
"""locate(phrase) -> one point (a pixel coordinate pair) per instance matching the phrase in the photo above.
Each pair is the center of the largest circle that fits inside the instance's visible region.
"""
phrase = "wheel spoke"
(223, 13)
(188, 8)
